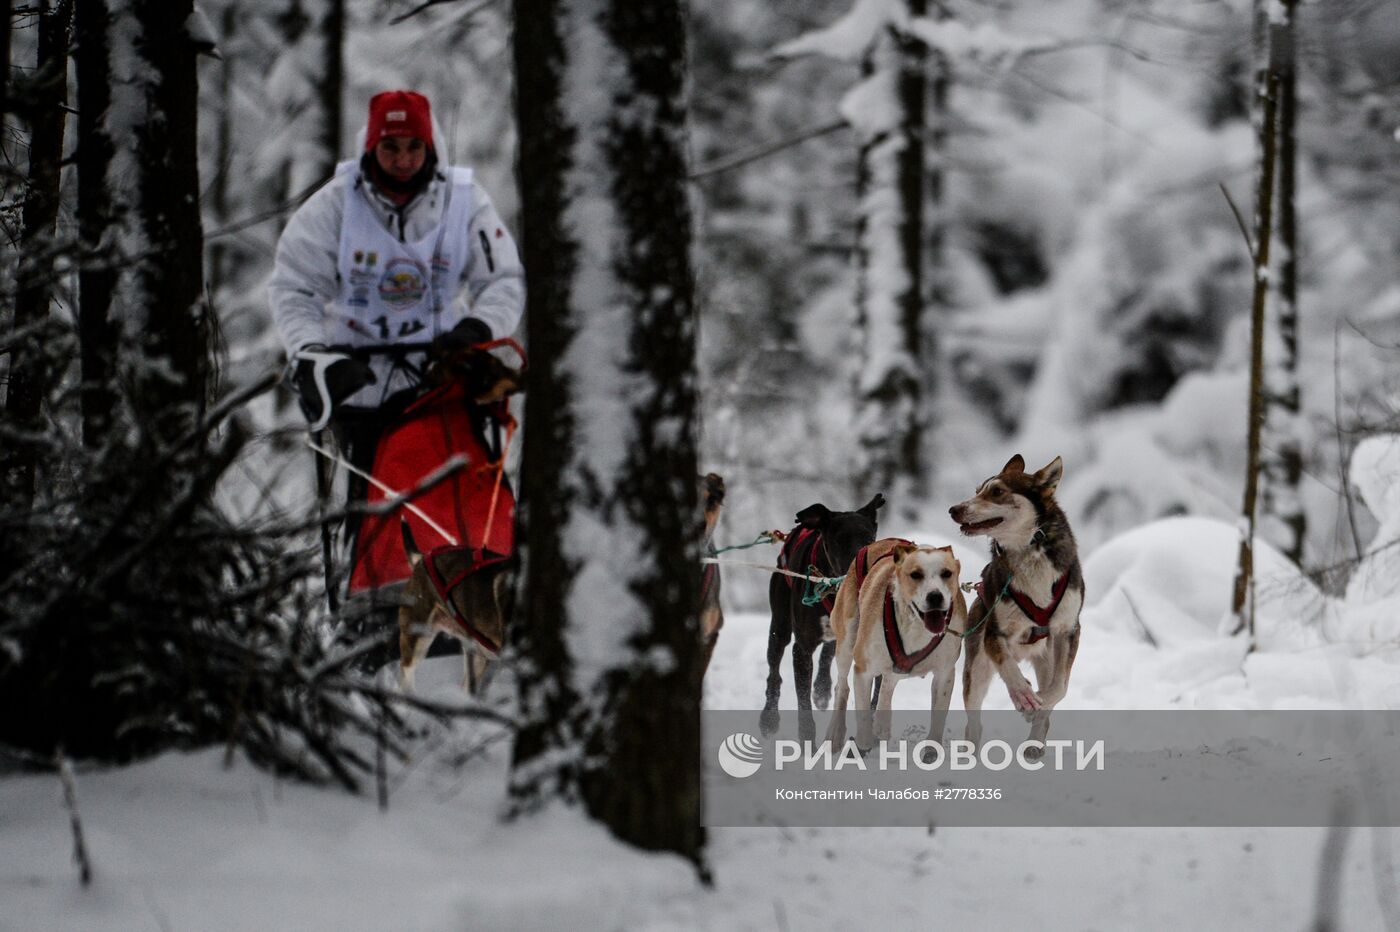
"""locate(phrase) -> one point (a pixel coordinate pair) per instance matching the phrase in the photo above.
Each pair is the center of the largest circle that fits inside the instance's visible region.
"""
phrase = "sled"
(471, 508)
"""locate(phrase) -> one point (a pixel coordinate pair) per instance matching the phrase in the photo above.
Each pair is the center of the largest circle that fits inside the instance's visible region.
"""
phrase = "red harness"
(480, 560)
(904, 662)
(798, 553)
(707, 580)
(1040, 630)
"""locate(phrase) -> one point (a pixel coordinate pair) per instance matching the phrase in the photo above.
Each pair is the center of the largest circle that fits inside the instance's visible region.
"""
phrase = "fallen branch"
(70, 802)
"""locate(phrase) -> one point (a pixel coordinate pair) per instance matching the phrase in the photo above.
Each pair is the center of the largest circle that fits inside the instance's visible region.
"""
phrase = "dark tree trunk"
(219, 252)
(29, 366)
(1283, 467)
(913, 92)
(171, 274)
(612, 326)
(550, 255)
(331, 82)
(6, 28)
(97, 278)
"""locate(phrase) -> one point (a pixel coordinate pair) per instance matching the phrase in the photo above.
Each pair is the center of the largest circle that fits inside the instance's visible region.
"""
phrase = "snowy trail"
(180, 843)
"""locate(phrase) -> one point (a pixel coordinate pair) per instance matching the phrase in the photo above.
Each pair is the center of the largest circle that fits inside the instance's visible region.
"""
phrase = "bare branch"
(428, 4)
(1239, 218)
(70, 802)
(759, 152)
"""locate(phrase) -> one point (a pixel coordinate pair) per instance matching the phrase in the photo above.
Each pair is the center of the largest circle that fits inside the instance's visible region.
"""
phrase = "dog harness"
(799, 552)
(1040, 630)
(479, 560)
(708, 576)
(904, 662)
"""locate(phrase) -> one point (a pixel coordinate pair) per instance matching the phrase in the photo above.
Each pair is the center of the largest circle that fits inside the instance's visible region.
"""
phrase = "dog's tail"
(415, 556)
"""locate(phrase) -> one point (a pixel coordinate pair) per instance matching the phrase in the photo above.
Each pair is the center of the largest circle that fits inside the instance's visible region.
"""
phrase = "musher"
(397, 250)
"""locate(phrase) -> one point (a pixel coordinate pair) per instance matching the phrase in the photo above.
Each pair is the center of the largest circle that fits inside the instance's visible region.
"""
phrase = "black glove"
(468, 332)
(344, 376)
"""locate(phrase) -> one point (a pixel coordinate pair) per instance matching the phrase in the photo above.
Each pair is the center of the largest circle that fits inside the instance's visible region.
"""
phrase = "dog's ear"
(713, 484)
(814, 516)
(415, 556)
(1014, 465)
(1049, 478)
(870, 508)
(901, 551)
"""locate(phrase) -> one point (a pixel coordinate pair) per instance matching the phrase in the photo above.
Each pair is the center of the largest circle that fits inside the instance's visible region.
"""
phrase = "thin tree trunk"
(219, 250)
(331, 84)
(1283, 464)
(1242, 603)
(6, 29)
(97, 276)
(609, 643)
(29, 368)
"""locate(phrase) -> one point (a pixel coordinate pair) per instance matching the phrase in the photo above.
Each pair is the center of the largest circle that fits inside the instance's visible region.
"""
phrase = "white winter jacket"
(306, 276)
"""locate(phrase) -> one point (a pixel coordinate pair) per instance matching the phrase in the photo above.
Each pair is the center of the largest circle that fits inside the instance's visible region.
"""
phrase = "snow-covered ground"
(183, 843)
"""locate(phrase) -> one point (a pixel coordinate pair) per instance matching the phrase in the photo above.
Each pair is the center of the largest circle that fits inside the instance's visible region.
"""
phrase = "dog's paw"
(768, 721)
(1024, 698)
(927, 755)
(1033, 752)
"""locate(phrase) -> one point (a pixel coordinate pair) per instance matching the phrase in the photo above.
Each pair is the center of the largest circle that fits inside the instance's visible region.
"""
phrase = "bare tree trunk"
(609, 647)
(29, 365)
(6, 28)
(97, 276)
(170, 271)
(1283, 461)
(219, 252)
(1266, 82)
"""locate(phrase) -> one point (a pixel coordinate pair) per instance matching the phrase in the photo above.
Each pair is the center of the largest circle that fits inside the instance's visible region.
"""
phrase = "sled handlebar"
(405, 349)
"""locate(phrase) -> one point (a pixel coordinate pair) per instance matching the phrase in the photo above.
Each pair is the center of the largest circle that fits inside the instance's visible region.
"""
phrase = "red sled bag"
(434, 429)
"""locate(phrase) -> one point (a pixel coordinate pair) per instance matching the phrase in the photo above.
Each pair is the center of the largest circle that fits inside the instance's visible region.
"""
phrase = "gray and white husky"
(1030, 595)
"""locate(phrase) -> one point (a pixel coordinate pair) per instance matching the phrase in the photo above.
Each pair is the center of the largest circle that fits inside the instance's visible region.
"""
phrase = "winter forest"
(801, 251)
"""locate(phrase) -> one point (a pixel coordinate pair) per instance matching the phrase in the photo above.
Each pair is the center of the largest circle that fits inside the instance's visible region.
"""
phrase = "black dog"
(827, 540)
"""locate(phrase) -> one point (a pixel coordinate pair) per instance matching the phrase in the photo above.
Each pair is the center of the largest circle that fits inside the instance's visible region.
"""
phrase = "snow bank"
(1180, 573)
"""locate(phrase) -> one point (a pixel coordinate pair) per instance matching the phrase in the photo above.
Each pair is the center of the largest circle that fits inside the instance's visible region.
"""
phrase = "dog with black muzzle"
(892, 616)
(1029, 598)
(824, 542)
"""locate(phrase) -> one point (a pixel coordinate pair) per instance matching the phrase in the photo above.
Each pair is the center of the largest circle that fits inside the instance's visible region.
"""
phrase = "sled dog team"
(900, 610)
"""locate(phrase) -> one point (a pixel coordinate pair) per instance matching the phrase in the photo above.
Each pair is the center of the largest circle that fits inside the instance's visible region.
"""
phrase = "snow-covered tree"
(887, 111)
(607, 643)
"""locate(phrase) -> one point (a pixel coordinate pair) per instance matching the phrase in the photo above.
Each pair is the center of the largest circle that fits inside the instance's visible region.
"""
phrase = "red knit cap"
(398, 113)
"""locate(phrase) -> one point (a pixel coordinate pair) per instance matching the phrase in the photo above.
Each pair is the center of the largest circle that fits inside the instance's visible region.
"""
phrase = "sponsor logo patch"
(403, 283)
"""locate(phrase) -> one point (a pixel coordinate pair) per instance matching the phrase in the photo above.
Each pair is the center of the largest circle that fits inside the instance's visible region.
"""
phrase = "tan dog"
(1031, 594)
(892, 619)
(480, 598)
(711, 614)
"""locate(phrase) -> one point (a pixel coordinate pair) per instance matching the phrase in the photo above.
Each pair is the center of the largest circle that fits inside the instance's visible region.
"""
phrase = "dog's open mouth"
(935, 622)
(975, 526)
